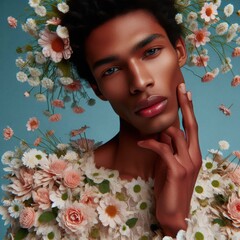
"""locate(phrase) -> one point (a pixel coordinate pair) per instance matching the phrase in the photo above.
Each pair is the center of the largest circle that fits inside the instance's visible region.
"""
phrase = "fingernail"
(189, 96)
(182, 88)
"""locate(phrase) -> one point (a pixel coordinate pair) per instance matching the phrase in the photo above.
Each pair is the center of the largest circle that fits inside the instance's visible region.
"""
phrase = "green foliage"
(21, 234)
(104, 186)
(131, 222)
(47, 217)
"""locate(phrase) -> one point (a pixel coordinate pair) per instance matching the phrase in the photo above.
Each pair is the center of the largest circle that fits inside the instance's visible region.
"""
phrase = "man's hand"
(177, 168)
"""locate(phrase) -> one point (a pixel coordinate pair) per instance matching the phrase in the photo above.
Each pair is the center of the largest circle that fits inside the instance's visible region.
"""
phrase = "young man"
(132, 59)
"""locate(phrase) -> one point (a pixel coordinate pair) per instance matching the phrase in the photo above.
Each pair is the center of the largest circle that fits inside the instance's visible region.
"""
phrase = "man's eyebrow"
(146, 41)
(138, 46)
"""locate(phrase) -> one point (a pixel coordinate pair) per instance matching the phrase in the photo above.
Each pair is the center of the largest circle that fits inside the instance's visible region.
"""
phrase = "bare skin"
(131, 65)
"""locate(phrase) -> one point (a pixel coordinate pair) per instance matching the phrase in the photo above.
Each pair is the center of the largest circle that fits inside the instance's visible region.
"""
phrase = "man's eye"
(151, 52)
(110, 71)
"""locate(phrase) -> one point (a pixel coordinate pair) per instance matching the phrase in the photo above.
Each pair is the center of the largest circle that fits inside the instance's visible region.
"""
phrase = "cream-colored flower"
(7, 157)
(34, 81)
(66, 80)
(40, 97)
(39, 58)
(40, 10)
(223, 145)
(112, 212)
(179, 18)
(70, 155)
(238, 41)
(22, 76)
(192, 16)
(226, 66)
(228, 10)
(62, 31)
(63, 7)
(34, 3)
(222, 28)
(20, 62)
(47, 83)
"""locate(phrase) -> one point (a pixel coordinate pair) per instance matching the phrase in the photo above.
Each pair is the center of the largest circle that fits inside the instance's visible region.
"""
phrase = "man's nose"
(140, 77)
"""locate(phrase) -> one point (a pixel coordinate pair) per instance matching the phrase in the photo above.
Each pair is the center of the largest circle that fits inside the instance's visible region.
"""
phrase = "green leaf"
(219, 221)
(104, 186)
(21, 234)
(46, 217)
(131, 222)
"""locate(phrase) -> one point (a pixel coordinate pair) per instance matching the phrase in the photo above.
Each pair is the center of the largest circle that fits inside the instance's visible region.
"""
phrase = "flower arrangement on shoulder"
(44, 64)
(209, 32)
(215, 207)
(55, 191)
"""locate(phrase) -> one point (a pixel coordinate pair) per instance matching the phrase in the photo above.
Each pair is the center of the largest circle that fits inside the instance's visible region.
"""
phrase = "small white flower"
(112, 212)
(31, 24)
(47, 83)
(125, 230)
(15, 208)
(209, 165)
(70, 155)
(238, 41)
(222, 28)
(193, 26)
(214, 151)
(66, 80)
(181, 235)
(34, 72)
(41, 11)
(217, 2)
(34, 82)
(40, 97)
(34, 3)
(192, 16)
(7, 157)
(179, 18)
(20, 62)
(202, 189)
(228, 10)
(62, 32)
(223, 145)
(39, 58)
(30, 57)
(217, 183)
(227, 66)
(22, 76)
(5, 215)
(34, 157)
(63, 7)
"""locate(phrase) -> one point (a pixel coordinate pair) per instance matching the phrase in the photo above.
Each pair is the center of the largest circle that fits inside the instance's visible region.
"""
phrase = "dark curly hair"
(86, 15)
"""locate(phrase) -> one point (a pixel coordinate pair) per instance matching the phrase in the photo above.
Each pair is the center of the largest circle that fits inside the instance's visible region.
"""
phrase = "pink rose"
(27, 217)
(57, 167)
(77, 218)
(41, 197)
(233, 209)
(72, 178)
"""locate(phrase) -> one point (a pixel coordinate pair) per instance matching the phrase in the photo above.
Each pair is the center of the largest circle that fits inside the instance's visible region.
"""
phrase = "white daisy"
(15, 208)
(22, 76)
(217, 183)
(112, 212)
(49, 231)
(209, 165)
(202, 189)
(59, 197)
(138, 189)
(124, 230)
(62, 146)
(34, 157)
(7, 157)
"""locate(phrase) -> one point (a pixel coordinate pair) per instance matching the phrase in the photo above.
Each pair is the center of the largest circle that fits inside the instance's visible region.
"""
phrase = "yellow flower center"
(111, 211)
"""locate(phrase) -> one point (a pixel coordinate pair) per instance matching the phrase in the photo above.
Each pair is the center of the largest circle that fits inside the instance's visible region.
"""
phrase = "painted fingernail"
(182, 88)
(189, 96)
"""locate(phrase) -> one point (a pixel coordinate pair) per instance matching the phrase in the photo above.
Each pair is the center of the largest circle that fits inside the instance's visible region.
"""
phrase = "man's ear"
(181, 52)
(97, 91)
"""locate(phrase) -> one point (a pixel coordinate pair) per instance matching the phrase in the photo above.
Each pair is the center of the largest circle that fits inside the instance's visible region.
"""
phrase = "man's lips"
(151, 106)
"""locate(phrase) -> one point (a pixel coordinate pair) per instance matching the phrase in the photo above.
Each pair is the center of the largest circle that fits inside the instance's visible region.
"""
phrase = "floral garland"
(59, 193)
(54, 80)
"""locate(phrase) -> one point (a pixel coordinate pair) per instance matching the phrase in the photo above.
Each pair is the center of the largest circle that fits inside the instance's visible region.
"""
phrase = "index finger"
(189, 120)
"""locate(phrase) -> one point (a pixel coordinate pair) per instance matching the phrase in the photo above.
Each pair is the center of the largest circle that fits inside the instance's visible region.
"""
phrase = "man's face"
(137, 70)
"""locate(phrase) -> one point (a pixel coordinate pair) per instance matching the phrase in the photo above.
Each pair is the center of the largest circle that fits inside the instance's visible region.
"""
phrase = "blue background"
(15, 109)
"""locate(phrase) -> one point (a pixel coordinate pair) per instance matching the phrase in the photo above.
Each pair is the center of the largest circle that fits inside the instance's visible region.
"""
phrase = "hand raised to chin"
(179, 161)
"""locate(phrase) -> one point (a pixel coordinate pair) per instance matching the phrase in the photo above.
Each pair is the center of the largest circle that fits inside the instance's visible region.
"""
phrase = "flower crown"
(53, 79)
